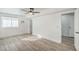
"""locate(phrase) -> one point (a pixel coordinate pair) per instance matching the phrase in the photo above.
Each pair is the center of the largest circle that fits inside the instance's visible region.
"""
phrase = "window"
(14, 22)
(9, 22)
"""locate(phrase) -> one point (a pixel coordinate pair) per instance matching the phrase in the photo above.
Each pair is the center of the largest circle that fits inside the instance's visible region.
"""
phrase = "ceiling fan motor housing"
(31, 9)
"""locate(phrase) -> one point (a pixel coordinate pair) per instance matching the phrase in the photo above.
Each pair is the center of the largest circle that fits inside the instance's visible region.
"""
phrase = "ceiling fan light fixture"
(30, 13)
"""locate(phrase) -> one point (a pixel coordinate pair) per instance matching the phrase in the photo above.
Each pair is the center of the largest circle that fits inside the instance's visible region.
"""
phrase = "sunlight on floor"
(31, 38)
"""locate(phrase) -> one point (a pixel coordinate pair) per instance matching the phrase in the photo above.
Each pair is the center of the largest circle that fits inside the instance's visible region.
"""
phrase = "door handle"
(77, 32)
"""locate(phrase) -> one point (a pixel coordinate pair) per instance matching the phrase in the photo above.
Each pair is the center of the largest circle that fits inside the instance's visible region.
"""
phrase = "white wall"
(68, 25)
(76, 29)
(15, 11)
(22, 29)
(48, 26)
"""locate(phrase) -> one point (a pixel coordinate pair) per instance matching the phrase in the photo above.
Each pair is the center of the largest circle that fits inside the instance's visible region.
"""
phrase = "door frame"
(73, 23)
(66, 12)
(76, 29)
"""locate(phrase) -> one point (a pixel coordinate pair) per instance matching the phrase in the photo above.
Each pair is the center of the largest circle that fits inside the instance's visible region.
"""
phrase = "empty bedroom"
(39, 29)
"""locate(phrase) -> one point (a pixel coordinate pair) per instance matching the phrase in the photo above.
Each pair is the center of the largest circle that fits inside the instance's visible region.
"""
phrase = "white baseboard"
(46, 38)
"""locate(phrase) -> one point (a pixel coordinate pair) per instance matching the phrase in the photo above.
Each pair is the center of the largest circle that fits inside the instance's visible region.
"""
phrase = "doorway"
(67, 24)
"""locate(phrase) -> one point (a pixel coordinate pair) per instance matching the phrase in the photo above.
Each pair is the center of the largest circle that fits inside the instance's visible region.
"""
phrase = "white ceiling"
(46, 11)
(19, 11)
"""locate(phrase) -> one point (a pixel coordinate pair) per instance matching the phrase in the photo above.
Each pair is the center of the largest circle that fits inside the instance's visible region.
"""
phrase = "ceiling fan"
(31, 11)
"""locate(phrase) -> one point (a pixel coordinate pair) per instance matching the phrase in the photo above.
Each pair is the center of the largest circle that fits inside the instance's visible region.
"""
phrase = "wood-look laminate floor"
(32, 43)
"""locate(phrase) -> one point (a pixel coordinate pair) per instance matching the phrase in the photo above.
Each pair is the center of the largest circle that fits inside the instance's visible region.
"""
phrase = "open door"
(76, 34)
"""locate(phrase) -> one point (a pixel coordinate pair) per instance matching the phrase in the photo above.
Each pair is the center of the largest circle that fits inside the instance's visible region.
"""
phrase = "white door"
(76, 34)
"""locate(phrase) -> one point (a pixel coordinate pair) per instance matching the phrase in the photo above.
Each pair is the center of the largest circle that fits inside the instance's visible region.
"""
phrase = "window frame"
(11, 21)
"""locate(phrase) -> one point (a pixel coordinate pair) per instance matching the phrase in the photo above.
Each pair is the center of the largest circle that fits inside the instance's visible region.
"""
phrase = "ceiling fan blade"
(27, 13)
(35, 12)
